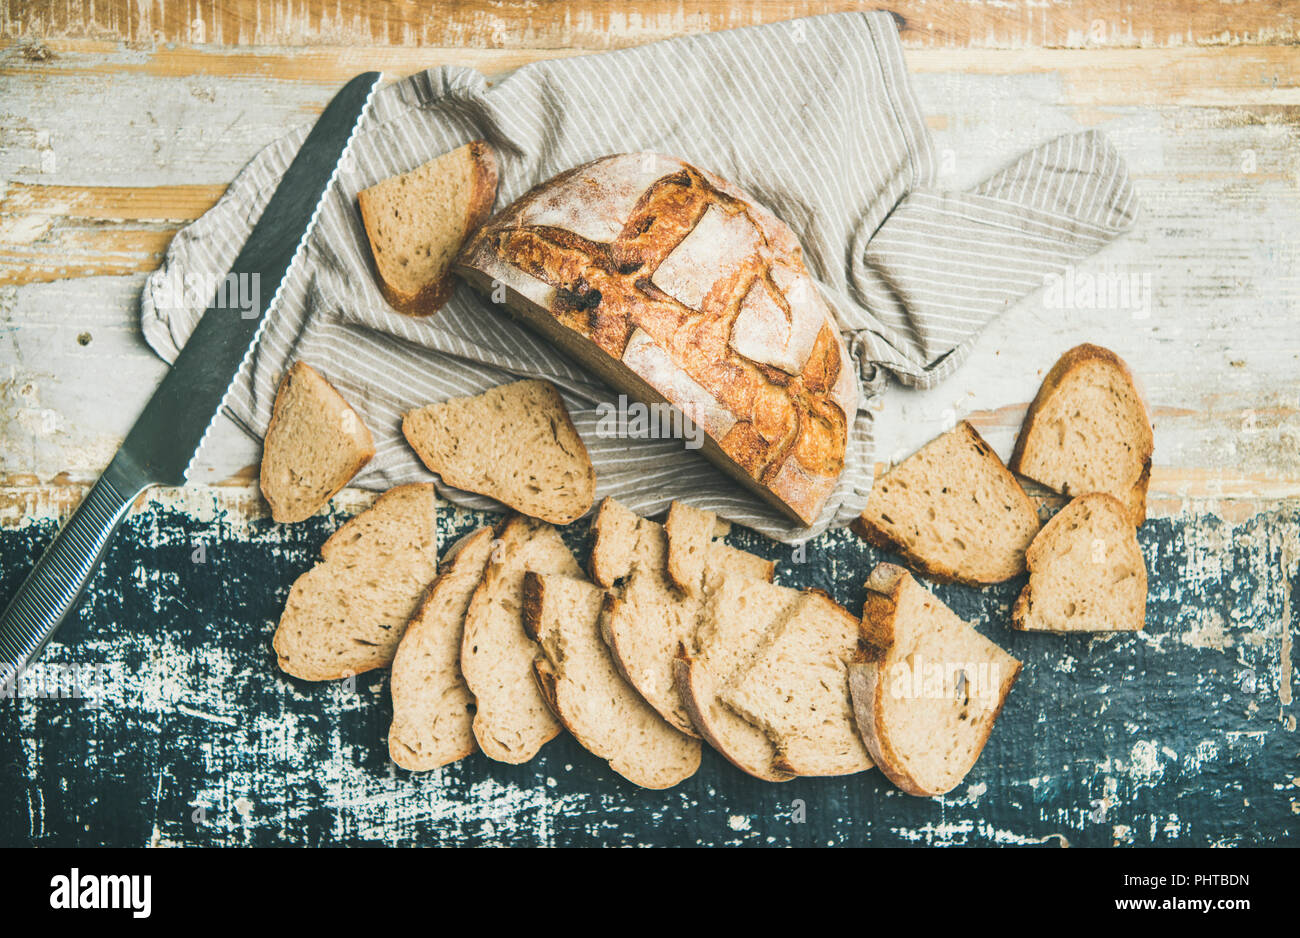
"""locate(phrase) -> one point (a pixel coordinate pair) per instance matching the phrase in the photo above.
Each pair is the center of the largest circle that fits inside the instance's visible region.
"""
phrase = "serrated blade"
(167, 435)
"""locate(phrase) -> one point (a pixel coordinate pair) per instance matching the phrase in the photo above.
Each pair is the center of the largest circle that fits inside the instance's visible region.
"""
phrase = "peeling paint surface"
(1178, 735)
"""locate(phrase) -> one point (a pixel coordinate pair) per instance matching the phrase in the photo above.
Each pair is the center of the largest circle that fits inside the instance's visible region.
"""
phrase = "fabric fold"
(815, 118)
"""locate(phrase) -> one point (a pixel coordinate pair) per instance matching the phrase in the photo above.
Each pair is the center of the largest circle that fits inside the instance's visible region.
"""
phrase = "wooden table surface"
(122, 121)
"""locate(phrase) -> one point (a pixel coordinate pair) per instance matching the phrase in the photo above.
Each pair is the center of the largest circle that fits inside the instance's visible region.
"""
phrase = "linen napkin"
(815, 118)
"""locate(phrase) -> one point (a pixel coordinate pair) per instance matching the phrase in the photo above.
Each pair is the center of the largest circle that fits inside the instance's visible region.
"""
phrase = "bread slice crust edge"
(1065, 365)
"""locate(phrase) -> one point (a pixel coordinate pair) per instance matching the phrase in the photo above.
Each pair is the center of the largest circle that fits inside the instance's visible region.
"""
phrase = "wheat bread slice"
(1086, 572)
(734, 619)
(515, 443)
(646, 619)
(690, 531)
(587, 693)
(314, 445)
(795, 688)
(348, 613)
(927, 687)
(1088, 430)
(953, 510)
(417, 222)
(512, 720)
(615, 537)
(433, 710)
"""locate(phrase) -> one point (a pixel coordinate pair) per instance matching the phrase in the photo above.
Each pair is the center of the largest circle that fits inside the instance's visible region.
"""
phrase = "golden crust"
(786, 435)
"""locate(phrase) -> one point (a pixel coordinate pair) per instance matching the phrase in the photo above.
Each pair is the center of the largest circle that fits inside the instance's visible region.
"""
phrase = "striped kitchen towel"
(815, 118)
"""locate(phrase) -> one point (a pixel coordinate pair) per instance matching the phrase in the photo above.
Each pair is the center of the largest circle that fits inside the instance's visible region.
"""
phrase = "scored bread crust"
(879, 631)
(1136, 503)
(781, 433)
(464, 552)
(878, 537)
(365, 451)
(430, 298)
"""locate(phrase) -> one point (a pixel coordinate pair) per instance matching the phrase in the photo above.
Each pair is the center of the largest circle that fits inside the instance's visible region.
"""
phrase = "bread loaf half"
(1088, 431)
(586, 692)
(514, 443)
(417, 222)
(927, 687)
(1086, 572)
(347, 614)
(674, 286)
(953, 510)
(314, 445)
(433, 710)
(512, 721)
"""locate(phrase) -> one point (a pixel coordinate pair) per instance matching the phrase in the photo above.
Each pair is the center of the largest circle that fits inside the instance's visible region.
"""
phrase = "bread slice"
(314, 445)
(953, 510)
(347, 614)
(927, 688)
(690, 532)
(646, 619)
(433, 710)
(585, 690)
(417, 222)
(735, 617)
(514, 443)
(796, 689)
(1086, 572)
(1088, 431)
(512, 720)
(616, 534)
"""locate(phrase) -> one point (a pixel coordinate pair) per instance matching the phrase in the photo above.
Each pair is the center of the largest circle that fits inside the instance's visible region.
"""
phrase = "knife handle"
(51, 591)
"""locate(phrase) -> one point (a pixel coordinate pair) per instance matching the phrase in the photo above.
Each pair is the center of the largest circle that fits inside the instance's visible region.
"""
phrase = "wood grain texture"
(1181, 735)
(121, 121)
(592, 24)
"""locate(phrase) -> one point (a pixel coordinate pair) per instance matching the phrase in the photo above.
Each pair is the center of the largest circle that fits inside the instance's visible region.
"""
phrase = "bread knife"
(163, 443)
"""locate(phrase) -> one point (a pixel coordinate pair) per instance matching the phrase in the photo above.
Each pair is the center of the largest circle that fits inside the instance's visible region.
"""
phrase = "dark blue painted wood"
(1175, 736)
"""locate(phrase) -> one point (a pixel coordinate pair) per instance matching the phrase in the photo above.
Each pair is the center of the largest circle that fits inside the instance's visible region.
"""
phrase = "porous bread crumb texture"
(314, 445)
(347, 614)
(417, 222)
(648, 619)
(735, 616)
(796, 690)
(512, 720)
(1088, 431)
(585, 690)
(515, 443)
(690, 531)
(433, 710)
(932, 687)
(953, 510)
(1086, 571)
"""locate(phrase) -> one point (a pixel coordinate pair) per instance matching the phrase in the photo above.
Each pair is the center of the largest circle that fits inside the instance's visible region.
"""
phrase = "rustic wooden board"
(1175, 736)
(593, 24)
(121, 121)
